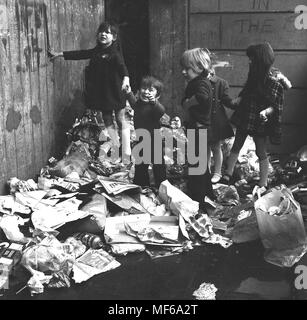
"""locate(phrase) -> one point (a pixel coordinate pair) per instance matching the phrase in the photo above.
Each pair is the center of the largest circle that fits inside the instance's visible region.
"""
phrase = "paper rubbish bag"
(281, 227)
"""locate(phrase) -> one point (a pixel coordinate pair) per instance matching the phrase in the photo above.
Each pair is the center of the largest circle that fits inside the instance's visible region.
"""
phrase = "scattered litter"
(281, 227)
(206, 291)
(91, 263)
(88, 183)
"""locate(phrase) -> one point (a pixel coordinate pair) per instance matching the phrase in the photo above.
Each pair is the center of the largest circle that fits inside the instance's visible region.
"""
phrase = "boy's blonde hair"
(198, 59)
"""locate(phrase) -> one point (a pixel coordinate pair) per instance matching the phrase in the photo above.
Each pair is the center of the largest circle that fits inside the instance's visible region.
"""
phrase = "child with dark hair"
(147, 114)
(106, 79)
(259, 112)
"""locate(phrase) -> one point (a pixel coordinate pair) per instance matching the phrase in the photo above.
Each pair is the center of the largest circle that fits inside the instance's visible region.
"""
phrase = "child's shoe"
(216, 178)
(226, 179)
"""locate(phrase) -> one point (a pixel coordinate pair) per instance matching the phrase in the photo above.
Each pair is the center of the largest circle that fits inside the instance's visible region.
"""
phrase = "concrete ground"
(239, 273)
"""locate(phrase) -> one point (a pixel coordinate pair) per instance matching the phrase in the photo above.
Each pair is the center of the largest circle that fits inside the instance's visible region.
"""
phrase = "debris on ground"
(207, 291)
(84, 210)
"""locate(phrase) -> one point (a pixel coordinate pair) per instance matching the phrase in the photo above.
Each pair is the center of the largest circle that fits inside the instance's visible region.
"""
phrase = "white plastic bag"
(281, 227)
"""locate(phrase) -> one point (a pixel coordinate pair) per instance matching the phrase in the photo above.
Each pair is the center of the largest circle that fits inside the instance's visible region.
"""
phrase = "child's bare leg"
(261, 143)
(108, 121)
(234, 154)
(125, 134)
(218, 161)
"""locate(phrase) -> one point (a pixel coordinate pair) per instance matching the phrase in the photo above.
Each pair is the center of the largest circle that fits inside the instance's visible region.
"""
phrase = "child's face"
(189, 73)
(106, 38)
(148, 94)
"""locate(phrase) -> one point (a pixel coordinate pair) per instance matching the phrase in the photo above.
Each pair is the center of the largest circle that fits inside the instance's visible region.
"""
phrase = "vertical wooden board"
(168, 40)
(3, 99)
(29, 156)
(50, 28)
(71, 22)
(23, 157)
(76, 104)
(35, 112)
(11, 118)
(237, 31)
(161, 46)
(42, 64)
(180, 44)
(243, 5)
(60, 69)
(290, 63)
(68, 111)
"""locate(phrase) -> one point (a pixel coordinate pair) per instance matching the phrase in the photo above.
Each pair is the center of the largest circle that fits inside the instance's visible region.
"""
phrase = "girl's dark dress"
(104, 77)
(200, 186)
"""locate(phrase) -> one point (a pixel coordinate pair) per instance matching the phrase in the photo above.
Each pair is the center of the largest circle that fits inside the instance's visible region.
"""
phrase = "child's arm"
(278, 75)
(276, 98)
(284, 81)
(132, 99)
(122, 70)
(225, 98)
(203, 95)
(71, 55)
(159, 109)
(189, 102)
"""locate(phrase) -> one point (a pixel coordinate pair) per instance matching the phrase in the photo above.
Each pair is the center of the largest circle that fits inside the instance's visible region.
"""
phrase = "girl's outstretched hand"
(53, 54)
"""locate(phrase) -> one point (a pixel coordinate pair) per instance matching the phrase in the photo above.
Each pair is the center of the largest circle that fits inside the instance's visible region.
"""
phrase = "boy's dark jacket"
(104, 76)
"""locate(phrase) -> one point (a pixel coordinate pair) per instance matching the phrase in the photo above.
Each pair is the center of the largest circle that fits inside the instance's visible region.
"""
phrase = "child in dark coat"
(107, 77)
(147, 114)
(197, 102)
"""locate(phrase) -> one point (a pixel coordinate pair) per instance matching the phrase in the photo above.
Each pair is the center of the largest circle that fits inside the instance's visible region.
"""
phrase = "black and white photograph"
(153, 153)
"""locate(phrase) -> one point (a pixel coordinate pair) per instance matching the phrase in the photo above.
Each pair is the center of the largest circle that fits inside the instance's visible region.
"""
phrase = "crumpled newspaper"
(91, 263)
(206, 291)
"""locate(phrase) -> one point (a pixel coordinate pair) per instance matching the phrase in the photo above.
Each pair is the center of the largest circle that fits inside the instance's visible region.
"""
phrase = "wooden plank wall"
(168, 22)
(228, 27)
(39, 100)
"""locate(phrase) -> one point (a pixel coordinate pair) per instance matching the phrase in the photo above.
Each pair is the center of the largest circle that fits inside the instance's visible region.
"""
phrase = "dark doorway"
(132, 18)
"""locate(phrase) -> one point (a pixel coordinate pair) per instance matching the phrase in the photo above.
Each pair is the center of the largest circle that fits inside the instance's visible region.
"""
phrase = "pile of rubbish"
(84, 211)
